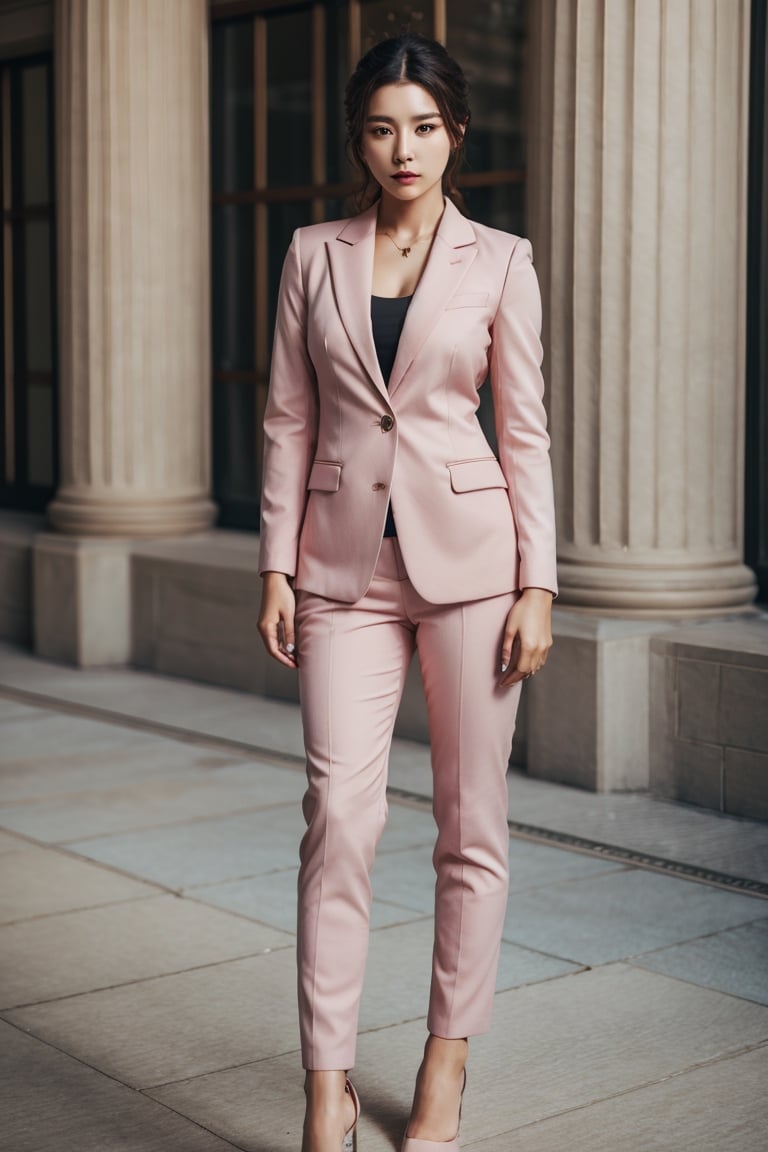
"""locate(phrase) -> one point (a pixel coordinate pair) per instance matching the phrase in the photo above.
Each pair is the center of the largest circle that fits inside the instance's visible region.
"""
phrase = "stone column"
(134, 267)
(637, 212)
(132, 147)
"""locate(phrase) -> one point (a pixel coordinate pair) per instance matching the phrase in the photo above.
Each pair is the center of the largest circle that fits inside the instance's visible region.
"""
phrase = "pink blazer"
(338, 444)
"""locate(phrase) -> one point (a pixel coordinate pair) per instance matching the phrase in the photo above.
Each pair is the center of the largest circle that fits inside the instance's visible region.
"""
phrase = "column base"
(82, 600)
(654, 590)
(595, 712)
(588, 711)
(86, 515)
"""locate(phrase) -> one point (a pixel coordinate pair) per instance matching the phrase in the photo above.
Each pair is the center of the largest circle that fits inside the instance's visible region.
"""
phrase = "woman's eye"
(380, 131)
(425, 129)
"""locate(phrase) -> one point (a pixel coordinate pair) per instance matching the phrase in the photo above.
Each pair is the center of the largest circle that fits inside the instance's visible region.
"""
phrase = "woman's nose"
(403, 150)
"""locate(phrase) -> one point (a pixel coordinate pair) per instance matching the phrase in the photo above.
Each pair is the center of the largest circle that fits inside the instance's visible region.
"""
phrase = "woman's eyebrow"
(391, 119)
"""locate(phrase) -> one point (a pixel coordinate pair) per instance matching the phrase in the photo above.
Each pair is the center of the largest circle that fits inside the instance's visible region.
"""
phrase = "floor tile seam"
(180, 823)
(197, 1123)
(699, 984)
(537, 887)
(82, 908)
(189, 888)
(373, 1029)
(640, 859)
(184, 735)
(243, 916)
(581, 969)
(396, 848)
(25, 841)
(24, 717)
(617, 1095)
(565, 880)
(181, 776)
(703, 936)
(104, 866)
(403, 907)
(594, 965)
(172, 974)
(149, 1089)
(187, 893)
(706, 837)
(418, 918)
(538, 980)
(137, 829)
(581, 965)
(109, 1076)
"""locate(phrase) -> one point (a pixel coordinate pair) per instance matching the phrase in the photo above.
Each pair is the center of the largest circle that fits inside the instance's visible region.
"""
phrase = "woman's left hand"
(527, 637)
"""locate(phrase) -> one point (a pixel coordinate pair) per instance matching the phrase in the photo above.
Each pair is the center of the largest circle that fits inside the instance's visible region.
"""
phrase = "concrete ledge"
(710, 715)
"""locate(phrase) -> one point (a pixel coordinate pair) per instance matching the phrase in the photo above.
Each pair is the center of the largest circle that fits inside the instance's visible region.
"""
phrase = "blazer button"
(377, 487)
(387, 423)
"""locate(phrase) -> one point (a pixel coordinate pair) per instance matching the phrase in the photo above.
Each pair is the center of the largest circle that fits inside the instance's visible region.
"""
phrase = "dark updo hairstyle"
(413, 59)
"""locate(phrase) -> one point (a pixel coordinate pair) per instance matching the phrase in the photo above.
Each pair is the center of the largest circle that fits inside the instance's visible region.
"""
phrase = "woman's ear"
(462, 126)
(457, 143)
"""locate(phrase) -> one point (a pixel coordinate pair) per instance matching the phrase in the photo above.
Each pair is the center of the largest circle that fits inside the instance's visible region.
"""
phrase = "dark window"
(278, 72)
(756, 502)
(28, 414)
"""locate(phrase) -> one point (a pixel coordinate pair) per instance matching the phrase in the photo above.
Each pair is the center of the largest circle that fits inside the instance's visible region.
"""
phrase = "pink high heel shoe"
(350, 1139)
(411, 1144)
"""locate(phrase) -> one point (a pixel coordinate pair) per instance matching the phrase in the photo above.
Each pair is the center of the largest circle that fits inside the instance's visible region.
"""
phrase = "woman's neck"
(409, 219)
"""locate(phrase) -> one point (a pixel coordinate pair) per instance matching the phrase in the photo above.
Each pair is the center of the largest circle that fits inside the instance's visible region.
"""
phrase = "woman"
(388, 524)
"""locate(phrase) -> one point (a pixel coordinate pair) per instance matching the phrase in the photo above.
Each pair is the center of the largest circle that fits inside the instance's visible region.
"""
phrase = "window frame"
(16, 491)
(233, 513)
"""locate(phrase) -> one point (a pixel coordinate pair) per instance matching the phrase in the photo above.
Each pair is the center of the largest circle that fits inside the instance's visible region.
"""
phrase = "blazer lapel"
(453, 251)
(350, 257)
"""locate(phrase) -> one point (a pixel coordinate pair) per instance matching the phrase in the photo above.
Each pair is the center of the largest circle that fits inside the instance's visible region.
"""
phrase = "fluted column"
(134, 277)
(637, 212)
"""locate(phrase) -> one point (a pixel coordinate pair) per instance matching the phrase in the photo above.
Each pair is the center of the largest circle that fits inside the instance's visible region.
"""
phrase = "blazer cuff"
(275, 561)
(542, 577)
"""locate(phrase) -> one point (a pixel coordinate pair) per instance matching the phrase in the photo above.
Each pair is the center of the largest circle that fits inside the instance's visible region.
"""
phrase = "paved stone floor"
(148, 836)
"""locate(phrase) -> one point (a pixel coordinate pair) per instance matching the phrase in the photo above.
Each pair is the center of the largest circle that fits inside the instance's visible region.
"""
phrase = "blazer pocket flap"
(471, 475)
(324, 476)
(468, 300)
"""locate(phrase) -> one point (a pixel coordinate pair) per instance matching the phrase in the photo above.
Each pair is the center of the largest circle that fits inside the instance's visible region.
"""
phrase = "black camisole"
(387, 319)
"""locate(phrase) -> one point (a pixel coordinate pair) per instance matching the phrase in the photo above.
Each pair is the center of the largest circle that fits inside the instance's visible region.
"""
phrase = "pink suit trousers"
(353, 660)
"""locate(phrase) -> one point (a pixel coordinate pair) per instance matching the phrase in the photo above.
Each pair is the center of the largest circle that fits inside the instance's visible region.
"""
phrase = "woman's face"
(405, 141)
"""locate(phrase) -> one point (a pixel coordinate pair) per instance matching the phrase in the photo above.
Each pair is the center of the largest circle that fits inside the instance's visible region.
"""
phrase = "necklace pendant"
(405, 251)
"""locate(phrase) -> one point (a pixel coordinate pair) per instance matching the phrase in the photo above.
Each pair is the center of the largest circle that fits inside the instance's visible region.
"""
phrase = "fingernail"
(290, 649)
(504, 666)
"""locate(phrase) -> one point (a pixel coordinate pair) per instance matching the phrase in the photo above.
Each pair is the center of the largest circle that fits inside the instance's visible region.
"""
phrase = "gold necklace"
(407, 251)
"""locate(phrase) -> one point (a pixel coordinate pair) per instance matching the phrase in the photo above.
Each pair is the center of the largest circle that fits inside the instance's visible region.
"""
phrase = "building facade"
(156, 156)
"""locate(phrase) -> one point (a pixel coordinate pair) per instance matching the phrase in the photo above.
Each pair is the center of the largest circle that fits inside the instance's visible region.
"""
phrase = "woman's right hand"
(278, 607)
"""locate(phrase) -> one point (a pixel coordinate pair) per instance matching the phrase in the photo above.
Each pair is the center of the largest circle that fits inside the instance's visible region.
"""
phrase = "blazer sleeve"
(521, 421)
(290, 424)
